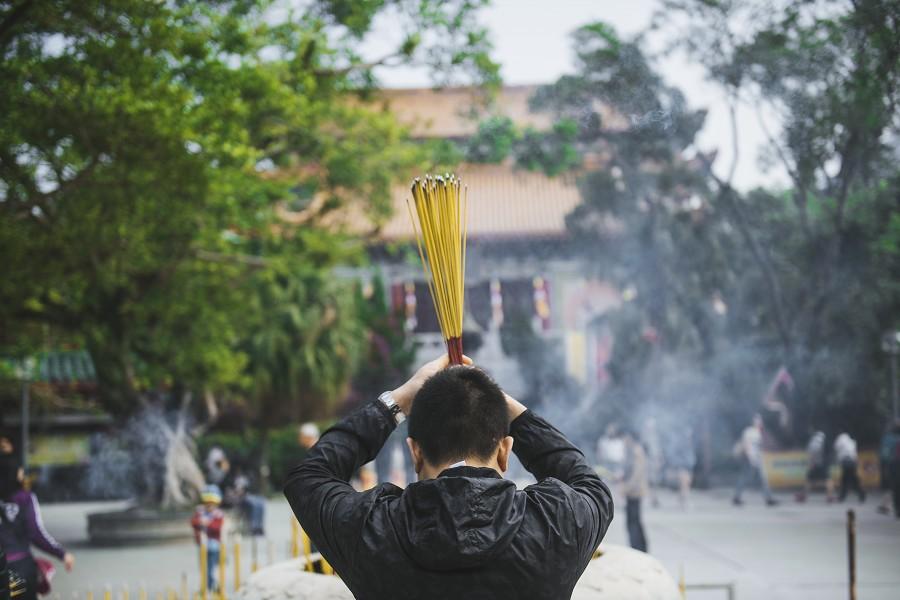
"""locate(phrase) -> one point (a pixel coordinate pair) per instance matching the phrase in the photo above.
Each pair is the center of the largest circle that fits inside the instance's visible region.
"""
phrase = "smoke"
(131, 462)
(661, 119)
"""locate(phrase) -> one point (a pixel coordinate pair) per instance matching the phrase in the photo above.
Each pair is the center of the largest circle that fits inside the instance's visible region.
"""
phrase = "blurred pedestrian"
(236, 490)
(817, 474)
(653, 444)
(890, 469)
(307, 435)
(208, 521)
(635, 487)
(748, 450)
(611, 452)
(20, 528)
(845, 452)
(681, 458)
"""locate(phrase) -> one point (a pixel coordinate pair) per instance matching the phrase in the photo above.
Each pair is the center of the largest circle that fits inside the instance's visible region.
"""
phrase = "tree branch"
(359, 66)
(773, 288)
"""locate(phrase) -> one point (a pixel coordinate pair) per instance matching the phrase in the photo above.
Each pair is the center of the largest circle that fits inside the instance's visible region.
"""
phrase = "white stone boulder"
(618, 574)
(621, 573)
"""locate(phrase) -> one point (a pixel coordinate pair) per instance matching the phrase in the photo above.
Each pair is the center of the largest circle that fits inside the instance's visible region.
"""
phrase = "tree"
(147, 151)
(824, 251)
(722, 288)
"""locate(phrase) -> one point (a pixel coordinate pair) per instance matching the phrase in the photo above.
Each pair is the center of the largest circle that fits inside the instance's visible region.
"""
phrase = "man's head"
(308, 435)
(459, 414)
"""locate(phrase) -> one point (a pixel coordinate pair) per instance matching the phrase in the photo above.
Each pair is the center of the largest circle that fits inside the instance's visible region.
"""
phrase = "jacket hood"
(466, 515)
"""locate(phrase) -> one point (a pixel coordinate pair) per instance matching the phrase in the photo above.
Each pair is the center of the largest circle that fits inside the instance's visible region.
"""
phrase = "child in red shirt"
(207, 522)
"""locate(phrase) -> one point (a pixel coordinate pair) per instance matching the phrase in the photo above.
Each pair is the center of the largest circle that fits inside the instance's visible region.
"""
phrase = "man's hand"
(406, 393)
(69, 561)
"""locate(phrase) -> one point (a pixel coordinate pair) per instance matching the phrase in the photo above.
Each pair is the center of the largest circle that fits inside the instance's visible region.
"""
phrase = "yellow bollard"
(107, 593)
(142, 593)
(184, 590)
(90, 595)
(326, 567)
(171, 595)
(254, 562)
(203, 568)
(295, 530)
(307, 552)
(125, 593)
(222, 559)
(237, 563)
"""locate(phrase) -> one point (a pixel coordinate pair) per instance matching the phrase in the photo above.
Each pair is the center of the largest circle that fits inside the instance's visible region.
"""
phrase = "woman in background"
(21, 526)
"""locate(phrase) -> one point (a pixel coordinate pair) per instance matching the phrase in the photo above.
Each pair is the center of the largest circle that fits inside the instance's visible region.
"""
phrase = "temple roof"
(503, 202)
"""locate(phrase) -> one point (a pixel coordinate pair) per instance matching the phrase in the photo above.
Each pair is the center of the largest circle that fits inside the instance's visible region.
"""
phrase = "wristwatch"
(387, 398)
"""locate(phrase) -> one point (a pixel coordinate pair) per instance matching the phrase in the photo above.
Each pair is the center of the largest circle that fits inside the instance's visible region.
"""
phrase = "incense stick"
(442, 214)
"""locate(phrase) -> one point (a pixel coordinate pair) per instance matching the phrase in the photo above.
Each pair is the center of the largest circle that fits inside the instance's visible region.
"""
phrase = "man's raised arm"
(318, 488)
(546, 452)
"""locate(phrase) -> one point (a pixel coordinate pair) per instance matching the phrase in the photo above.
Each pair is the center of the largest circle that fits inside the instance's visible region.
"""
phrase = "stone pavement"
(790, 552)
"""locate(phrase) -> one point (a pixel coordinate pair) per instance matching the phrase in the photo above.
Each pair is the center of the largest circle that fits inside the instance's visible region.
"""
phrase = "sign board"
(58, 449)
(786, 470)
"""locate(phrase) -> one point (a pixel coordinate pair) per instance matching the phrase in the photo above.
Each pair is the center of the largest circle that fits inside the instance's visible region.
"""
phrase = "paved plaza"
(790, 552)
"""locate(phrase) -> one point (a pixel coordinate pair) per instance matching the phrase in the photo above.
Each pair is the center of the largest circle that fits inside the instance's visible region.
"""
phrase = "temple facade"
(520, 261)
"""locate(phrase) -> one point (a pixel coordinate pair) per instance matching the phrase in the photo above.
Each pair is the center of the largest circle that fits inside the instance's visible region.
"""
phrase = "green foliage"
(552, 152)
(145, 151)
(282, 449)
(493, 141)
(389, 351)
(722, 288)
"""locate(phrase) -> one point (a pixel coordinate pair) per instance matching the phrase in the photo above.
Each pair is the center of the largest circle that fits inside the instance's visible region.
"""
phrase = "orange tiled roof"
(503, 202)
(447, 113)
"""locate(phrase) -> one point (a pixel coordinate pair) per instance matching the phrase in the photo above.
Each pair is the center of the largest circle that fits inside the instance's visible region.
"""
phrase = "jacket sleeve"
(37, 534)
(318, 488)
(546, 452)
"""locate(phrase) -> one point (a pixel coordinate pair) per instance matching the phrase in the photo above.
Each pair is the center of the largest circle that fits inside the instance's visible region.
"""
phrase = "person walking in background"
(890, 469)
(236, 491)
(681, 458)
(845, 452)
(611, 452)
(817, 468)
(208, 521)
(21, 527)
(748, 451)
(635, 488)
(653, 443)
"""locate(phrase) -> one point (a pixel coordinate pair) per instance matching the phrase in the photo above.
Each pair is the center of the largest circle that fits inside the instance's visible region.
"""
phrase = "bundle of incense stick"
(442, 213)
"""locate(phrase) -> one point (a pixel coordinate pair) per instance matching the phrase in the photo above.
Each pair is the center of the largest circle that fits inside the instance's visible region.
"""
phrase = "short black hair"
(458, 412)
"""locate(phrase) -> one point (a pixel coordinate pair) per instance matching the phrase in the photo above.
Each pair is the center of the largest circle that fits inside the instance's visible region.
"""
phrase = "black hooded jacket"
(469, 533)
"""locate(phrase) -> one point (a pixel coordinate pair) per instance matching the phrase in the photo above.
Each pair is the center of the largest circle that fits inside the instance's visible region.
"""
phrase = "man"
(461, 531)
(635, 487)
(749, 451)
(817, 474)
(845, 453)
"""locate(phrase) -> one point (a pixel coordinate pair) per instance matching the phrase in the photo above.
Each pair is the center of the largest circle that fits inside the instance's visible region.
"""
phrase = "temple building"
(520, 263)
